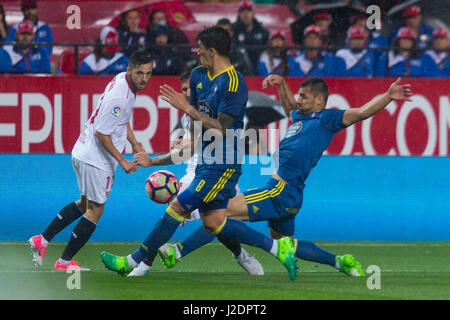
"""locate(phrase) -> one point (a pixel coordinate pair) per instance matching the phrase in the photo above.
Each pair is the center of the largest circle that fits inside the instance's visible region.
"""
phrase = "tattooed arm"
(287, 98)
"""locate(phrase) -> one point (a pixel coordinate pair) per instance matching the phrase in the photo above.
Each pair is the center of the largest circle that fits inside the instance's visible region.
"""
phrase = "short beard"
(24, 46)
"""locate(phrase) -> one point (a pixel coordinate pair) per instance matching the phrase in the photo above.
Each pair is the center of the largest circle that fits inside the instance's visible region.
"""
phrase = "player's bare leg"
(237, 208)
(39, 243)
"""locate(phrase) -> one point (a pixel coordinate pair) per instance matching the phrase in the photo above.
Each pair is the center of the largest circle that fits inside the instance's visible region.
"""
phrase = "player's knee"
(178, 208)
(81, 204)
(213, 224)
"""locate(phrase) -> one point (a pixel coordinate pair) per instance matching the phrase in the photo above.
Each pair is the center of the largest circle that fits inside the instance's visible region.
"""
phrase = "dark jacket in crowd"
(258, 36)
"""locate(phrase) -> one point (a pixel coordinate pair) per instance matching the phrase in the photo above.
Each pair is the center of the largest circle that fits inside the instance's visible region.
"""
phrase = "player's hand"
(128, 166)
(176, 99)
(142, 159)
(272, 80)
(139, 148)
(399, 91)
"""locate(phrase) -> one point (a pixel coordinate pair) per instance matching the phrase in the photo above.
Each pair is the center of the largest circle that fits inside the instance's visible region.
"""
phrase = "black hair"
(223, 21)
(186, 75)
(138, 58)
(318, 87)
(217, 38)
(123, 18)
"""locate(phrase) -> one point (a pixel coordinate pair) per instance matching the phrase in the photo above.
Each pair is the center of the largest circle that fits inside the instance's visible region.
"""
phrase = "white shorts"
(185, 181)
(93, 183)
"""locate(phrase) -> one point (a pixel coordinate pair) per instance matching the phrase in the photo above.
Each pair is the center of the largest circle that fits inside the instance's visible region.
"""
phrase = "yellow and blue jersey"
(219, 165)
(306, 139)
(226, 92)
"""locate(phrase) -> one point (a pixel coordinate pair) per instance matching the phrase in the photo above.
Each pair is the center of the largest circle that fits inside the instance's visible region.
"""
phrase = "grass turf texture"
(408, 271)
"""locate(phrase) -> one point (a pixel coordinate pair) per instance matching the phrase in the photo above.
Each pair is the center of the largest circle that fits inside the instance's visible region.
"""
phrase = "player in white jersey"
(95, 156)
(245, 260)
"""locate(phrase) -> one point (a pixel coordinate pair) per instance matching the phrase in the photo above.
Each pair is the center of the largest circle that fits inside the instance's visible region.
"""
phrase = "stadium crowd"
(413, 49)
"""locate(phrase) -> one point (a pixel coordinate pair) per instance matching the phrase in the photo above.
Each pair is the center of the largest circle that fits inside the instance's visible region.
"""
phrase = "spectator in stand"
(375, 40)
(131, 37)
(275, 58)
(248, 31)
(436, 61)
(6, 32)
(238, 56)
(330, 38)
(313, 61)
(400, 62)
(176, 36)
(106, 58)
(23, 56)
(42, 31)
(166, 60)
(412, 17)
(359, 61)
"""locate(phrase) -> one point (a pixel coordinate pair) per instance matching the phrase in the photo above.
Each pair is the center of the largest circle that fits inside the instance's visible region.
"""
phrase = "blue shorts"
(278, 203)
(210, 190)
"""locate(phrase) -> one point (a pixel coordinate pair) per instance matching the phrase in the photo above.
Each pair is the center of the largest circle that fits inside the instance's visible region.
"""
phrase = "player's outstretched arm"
(177, 100)
(287, 98)
(182, 152)
(396, 91)
(106, 141)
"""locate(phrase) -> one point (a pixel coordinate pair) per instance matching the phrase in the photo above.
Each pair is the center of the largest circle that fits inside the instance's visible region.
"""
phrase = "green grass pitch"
(408, 271)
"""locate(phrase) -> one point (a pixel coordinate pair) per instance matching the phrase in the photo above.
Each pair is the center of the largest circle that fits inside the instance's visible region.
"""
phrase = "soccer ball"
(162, 186)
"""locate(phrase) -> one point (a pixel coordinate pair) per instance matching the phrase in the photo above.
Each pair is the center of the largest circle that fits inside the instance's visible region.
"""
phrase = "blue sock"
(162, 233)
(307, 250)
(196, 240)
(240, 232)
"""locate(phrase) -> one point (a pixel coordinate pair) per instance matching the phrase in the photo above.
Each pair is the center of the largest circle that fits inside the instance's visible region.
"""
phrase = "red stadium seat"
(67, 61)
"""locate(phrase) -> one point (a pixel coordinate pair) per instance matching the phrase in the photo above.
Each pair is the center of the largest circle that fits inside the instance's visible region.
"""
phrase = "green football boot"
(348, 265)
(286, 255)
(116, 263)
(168, 254)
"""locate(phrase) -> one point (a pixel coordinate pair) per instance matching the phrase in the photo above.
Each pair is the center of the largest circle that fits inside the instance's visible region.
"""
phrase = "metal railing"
(291, 50)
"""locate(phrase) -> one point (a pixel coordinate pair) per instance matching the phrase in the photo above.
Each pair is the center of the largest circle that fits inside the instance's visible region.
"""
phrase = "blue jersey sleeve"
(332, 119)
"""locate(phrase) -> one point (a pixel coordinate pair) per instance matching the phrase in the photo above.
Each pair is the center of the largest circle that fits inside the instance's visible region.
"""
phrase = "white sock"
(63, 261)
(44, 241)
(144, 266)
(274, 249)
(131, 261)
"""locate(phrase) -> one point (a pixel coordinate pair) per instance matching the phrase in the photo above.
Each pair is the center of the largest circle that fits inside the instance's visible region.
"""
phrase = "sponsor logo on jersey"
(204, 108)
(116, 111)
(294, 129)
